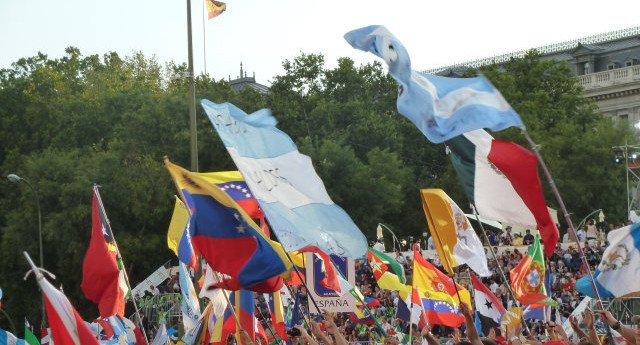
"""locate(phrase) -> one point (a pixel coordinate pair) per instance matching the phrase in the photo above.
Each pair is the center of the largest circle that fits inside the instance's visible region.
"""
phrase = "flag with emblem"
(230, 241)
(102, 272)
(617, 274)
(232, 183)
(388, 273)
(527, 278)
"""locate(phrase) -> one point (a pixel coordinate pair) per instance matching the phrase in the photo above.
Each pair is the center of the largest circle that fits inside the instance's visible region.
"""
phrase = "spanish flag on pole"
(215, 8)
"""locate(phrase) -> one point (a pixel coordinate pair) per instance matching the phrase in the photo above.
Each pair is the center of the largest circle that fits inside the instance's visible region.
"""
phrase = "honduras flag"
(440, 107)
(289, 191)
(618, 272)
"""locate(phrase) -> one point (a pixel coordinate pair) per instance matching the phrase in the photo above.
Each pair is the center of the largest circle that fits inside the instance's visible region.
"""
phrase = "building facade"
(606, 65)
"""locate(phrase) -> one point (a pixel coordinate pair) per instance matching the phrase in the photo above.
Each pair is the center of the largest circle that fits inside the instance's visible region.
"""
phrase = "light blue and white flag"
(7, 338)
(618, 272)
(440, 107)
(283, 180)
(190, 305)
(162, 337)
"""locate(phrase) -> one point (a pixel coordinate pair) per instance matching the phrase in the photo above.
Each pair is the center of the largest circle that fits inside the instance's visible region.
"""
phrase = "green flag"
(29, 337)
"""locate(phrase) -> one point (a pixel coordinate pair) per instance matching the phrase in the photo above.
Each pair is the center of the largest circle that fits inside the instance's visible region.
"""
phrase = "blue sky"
(262, 34)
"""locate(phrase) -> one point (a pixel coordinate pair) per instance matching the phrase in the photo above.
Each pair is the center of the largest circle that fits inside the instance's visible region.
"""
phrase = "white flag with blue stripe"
(284, 182)
(7, 338)
(440, 107)
(618, 272)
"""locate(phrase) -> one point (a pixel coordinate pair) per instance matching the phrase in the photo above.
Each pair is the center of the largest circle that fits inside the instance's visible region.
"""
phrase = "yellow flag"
(179, 221)
(439, 214)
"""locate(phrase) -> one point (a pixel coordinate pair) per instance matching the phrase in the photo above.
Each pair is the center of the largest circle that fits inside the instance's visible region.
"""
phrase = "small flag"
(388, 273)
(215, 8)
(29, 337)
(489, 309)
(527, 278)
(178, 236)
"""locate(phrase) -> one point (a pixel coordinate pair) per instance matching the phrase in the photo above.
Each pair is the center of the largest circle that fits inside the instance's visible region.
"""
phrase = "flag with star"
(232, 183)
(102, 272)
(225, 235)
(489, 309)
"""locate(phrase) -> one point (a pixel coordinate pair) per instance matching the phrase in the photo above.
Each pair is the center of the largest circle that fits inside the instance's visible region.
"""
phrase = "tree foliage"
(70, 122)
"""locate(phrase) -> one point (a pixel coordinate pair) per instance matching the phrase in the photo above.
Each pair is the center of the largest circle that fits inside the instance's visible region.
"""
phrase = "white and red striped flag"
(67, 327)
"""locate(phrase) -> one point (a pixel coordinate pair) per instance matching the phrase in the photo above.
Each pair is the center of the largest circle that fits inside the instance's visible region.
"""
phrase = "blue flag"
(284, 182)
(440, 107)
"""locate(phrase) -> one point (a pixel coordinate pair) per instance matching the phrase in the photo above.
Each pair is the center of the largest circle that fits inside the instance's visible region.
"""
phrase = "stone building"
(606, 65)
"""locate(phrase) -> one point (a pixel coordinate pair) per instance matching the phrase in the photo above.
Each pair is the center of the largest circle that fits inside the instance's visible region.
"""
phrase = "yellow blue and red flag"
(178, 237)
(232, 183)
(227, 237)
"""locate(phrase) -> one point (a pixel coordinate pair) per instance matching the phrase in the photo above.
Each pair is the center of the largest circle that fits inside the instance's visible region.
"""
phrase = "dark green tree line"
(69, 122)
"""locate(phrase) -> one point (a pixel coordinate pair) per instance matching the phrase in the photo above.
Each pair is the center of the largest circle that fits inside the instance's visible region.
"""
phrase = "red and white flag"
(102, 278)
(67, 327)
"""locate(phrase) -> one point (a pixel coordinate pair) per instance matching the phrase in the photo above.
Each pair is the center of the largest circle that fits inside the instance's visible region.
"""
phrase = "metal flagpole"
(192, 96)
(121, 262)
(204, 37)
(500, 269)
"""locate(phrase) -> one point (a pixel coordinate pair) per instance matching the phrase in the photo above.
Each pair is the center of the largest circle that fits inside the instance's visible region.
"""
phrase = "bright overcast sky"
(263, 33)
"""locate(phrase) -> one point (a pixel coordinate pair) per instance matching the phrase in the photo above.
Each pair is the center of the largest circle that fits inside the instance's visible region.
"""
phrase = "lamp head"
(14, 178)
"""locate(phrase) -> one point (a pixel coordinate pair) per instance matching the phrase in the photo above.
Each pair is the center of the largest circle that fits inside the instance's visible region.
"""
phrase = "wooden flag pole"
(121, 262)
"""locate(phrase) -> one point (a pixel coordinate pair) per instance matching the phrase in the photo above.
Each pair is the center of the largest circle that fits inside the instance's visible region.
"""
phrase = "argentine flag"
(440, 107)
(284, 182)
(618, 272)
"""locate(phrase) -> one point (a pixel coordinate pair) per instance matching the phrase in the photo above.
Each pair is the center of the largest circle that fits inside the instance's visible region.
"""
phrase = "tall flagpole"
(121, 262)
(567, 218)
(204, 37)
(192, 96)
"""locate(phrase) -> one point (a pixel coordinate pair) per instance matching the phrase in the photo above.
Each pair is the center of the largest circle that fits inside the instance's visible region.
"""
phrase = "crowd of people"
(504, 249)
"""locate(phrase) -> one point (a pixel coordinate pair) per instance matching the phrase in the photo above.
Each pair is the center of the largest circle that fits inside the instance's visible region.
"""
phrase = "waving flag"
(289, 191)
(428, 278)
(456, 241)
(102, 276)
(178, 236)
(190, 305)
(489, 309)
(29, 337)
(527, 278)
(274, 302)
(501, 180)
(388, 273)
(215, 8)
(227, 238)
(232, 183)
(67, 327)
(618, 272)
(440, 107)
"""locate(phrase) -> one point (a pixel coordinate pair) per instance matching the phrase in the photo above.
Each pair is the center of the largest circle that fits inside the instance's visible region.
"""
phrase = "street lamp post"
(15, 179)
(394, 239)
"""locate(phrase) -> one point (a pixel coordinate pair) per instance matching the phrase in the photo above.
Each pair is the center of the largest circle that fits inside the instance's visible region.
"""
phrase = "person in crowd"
(506, 237)
(528, 238)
